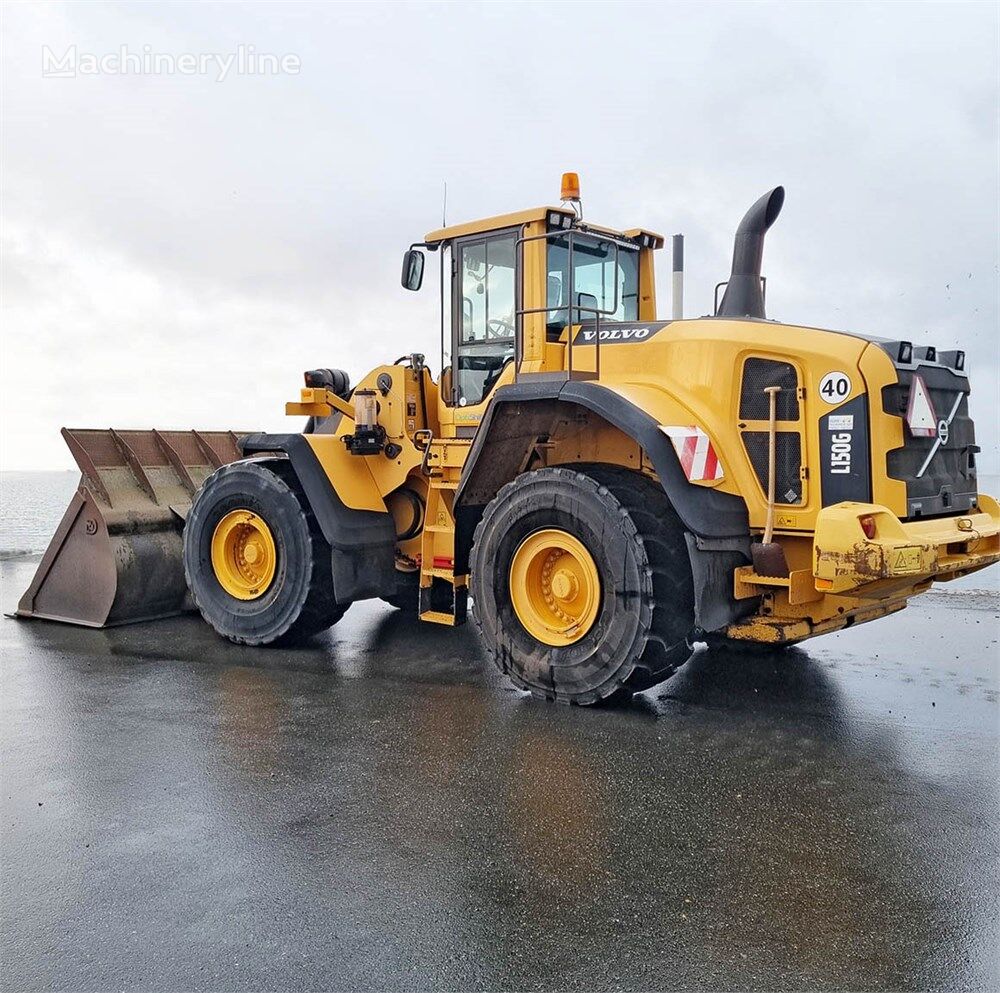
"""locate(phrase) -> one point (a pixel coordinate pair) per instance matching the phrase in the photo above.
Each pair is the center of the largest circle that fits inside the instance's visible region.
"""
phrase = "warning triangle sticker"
(920, 414)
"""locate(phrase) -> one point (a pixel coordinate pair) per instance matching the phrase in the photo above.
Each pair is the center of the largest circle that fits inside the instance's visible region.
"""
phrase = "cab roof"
(520, 217)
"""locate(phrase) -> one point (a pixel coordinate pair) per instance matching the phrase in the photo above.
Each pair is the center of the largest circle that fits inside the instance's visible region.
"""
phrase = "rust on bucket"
(116, 556)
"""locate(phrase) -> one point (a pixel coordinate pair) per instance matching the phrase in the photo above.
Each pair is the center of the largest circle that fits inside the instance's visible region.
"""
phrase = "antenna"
(444, 206)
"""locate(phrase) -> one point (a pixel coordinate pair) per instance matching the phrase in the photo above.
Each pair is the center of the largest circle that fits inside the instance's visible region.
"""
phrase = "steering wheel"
(496, 327)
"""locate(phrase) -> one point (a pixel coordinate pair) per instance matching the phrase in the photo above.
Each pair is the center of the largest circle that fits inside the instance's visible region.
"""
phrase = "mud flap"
(116, 557)
(713, 562)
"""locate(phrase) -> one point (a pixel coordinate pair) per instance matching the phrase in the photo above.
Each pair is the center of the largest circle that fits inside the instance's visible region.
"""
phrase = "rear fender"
(518, 414)
(717, 523)
(362, 541)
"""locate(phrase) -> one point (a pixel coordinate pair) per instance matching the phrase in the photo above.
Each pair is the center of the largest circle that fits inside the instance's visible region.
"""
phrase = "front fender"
(362, 541)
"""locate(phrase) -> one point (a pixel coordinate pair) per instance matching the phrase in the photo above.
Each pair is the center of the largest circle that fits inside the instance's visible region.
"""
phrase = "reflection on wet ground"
(380, 810)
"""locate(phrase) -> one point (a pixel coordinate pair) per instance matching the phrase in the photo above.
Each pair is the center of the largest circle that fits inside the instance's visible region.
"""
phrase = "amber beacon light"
(570, 186)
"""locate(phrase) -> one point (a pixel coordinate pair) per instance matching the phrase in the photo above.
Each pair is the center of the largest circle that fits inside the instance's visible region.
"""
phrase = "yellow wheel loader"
(605, 487)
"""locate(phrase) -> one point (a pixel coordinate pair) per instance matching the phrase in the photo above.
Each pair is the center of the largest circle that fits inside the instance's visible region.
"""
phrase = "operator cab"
(513, 284)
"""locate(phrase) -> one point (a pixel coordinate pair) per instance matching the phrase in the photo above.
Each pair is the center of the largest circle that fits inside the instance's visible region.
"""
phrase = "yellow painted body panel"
(846, 560)
(488, 224)
(690, 374)
(886, 432)
(350, 475)
(363, 481)
(318, 403)
(518, 218)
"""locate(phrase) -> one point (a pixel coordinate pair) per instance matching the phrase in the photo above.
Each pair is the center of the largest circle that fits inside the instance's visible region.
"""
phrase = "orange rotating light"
(570, 186)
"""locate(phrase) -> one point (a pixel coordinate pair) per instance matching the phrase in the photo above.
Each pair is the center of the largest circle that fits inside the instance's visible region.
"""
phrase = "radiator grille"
(787, 463)
(760, 373)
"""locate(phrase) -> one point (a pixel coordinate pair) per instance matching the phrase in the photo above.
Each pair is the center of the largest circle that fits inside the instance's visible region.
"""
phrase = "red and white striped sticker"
(695, 451)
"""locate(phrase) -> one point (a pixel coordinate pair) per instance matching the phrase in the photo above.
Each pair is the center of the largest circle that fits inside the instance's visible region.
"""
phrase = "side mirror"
(413, 269)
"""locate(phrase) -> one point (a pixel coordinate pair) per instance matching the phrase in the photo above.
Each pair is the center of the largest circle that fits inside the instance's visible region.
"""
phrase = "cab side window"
(604, 281)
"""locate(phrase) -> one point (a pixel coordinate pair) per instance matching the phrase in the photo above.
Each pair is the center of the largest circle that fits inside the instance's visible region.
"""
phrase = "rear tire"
(299, 601)
(636, 542)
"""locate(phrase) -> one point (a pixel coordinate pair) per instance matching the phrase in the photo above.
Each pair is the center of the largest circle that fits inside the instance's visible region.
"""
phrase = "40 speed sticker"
(835, 387)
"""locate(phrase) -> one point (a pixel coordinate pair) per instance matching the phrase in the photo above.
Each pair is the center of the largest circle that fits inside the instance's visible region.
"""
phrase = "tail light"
(867, 525)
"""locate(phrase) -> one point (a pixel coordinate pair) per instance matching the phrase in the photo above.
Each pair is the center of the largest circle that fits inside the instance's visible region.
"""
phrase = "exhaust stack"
(744, 296)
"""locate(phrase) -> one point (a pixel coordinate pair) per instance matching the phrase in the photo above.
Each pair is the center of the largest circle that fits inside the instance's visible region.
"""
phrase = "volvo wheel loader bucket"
(116, 557)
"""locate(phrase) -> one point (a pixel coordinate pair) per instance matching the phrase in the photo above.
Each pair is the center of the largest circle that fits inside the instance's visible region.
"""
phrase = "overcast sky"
(177, 249)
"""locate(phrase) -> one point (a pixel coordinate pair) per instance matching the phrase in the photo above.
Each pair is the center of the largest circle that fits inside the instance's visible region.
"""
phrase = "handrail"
(725, 282)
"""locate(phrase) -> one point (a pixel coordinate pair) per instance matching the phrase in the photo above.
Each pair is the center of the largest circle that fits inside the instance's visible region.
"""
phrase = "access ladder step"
(444, 603)
(438, 617)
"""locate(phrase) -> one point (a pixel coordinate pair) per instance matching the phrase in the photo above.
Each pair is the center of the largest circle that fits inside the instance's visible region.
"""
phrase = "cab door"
(483, 319)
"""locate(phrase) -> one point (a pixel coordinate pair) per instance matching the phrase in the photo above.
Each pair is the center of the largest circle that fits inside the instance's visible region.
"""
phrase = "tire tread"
(318, 609)
(645, 515)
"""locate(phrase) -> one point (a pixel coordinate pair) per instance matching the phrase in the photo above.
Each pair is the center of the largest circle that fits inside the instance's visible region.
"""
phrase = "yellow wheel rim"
(244, 558)
(555, 587)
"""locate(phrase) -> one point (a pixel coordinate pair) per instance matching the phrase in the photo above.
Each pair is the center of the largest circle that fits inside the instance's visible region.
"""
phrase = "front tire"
(630, 536)
(249, 514)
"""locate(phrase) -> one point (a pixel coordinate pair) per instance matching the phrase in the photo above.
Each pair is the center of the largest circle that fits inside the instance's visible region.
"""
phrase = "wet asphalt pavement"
(380, 810)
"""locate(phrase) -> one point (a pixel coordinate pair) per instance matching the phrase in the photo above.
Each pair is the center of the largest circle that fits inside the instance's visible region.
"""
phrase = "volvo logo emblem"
(942, 431)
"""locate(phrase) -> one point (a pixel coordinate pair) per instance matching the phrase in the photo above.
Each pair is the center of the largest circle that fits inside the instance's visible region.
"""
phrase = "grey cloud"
(183, 217)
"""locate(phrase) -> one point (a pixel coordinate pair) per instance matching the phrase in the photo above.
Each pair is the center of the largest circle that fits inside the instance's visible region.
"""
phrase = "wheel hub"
(565, 585)
(555, 587)
(244, 557)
